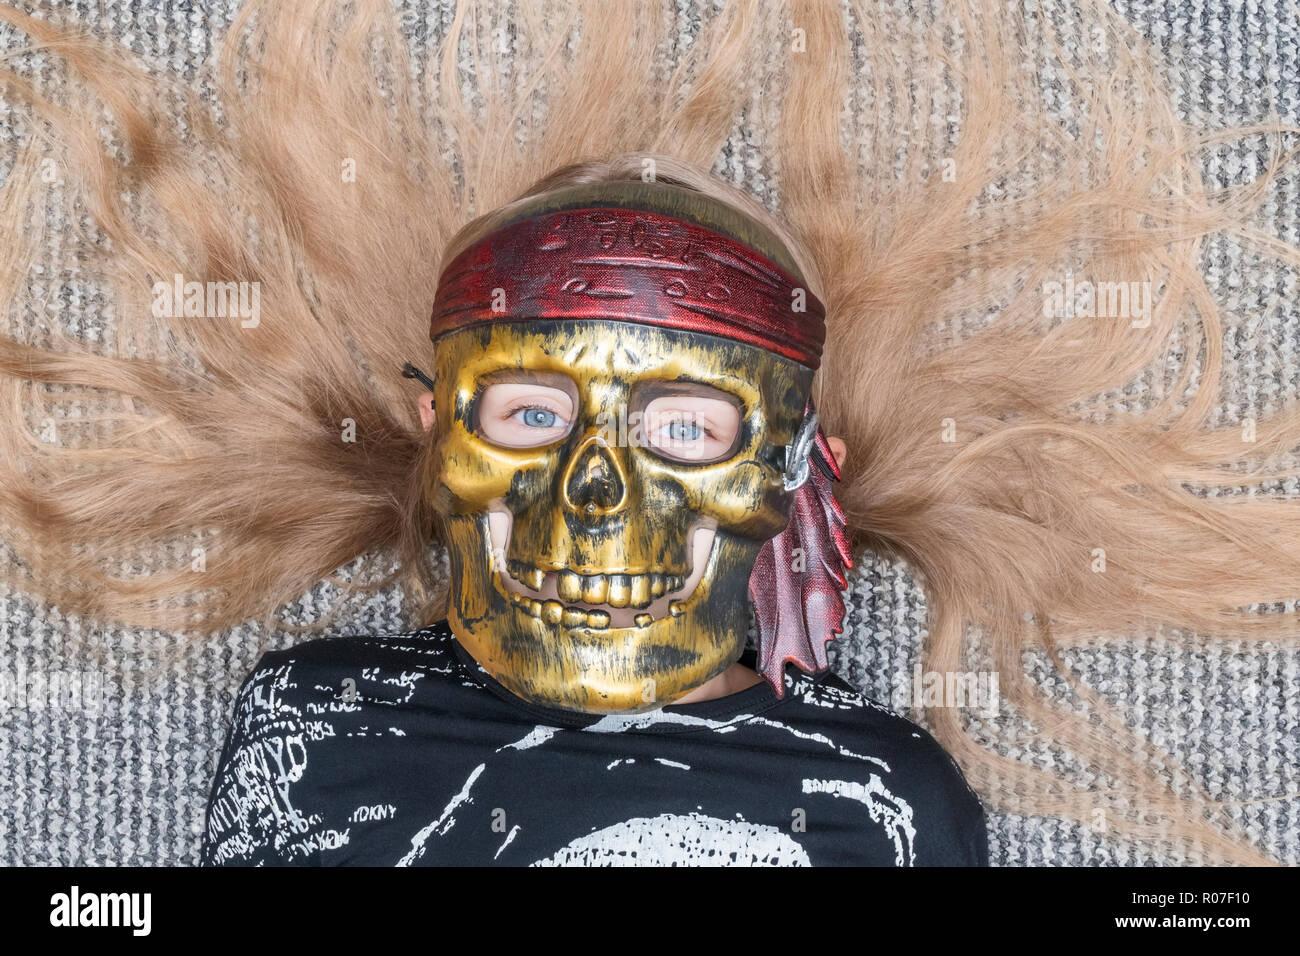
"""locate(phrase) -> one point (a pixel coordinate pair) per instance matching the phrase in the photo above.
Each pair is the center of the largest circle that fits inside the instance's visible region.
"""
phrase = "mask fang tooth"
(675, 608)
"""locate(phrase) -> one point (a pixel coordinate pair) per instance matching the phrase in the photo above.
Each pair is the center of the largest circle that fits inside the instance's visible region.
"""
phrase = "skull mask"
(596, 566)
(597, 572)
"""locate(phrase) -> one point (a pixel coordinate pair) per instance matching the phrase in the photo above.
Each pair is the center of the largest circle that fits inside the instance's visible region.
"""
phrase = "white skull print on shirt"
(402, 751)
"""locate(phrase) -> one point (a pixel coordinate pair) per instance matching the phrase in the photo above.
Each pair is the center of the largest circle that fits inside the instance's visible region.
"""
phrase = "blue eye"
(539, 418)
(683, 431)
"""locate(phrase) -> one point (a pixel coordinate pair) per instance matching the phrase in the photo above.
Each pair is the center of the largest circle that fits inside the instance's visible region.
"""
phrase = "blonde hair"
(985, 450)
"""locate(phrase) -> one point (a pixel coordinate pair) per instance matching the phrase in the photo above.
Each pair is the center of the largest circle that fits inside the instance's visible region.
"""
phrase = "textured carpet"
(122, 775)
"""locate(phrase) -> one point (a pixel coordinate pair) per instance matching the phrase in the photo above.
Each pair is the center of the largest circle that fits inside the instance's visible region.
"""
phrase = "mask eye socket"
(689, 422)
(525, 410)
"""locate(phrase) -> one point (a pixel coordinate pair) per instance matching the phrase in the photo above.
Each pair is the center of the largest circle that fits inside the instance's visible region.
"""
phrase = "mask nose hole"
(593, 482)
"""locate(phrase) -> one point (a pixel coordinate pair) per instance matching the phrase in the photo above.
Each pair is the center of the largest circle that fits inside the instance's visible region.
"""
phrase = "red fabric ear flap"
(797, 581)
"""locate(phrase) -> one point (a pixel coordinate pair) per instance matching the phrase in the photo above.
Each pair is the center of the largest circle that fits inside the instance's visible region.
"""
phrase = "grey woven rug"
(126, 781)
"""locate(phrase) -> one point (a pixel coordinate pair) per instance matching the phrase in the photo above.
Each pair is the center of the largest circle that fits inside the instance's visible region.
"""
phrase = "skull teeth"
(620, 591)
(602, 601)
(553, 612)
(595, 587)
(616, 590)
(569, 586)
(527, 575)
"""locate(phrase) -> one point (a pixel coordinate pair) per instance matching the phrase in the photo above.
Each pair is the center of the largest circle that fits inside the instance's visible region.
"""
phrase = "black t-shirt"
(402, 750)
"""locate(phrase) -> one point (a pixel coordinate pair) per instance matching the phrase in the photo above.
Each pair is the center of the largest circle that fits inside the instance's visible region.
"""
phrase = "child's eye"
(524, 414)
(682, 430)
(685, 429)
(535, 417)
(702, 425)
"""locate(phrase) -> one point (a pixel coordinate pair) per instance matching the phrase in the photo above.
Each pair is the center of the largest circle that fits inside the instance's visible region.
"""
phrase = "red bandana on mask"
(610, 262)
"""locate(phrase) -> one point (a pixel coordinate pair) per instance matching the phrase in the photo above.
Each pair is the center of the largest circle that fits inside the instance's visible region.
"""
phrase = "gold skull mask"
(593, 573)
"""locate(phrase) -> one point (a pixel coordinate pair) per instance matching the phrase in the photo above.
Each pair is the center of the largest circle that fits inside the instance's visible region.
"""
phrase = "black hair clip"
(820, 461)
(410, 371)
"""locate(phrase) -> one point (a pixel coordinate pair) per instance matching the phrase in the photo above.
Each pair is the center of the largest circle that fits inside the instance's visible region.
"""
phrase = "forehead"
(610, 353)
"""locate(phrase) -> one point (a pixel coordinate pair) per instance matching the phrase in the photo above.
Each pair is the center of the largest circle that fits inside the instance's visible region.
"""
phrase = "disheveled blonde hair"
(986, 450)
